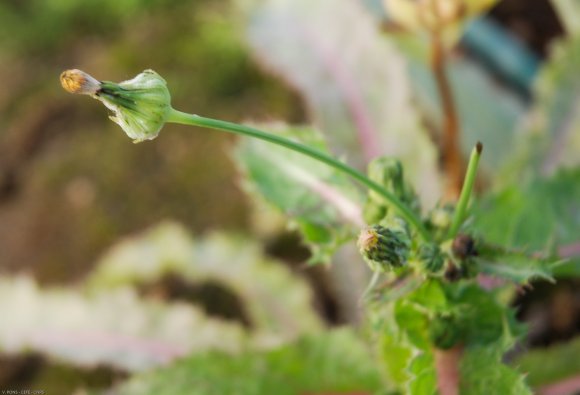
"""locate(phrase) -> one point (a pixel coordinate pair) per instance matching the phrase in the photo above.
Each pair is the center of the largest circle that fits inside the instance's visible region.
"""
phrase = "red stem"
(452, 160)
(447, 370)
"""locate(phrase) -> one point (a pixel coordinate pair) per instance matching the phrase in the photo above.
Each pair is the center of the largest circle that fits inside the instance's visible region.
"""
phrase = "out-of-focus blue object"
(502, 53)
(376, 8)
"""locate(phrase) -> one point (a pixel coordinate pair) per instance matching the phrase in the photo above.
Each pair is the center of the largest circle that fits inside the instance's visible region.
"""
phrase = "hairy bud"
(431, 257)
(384, 248)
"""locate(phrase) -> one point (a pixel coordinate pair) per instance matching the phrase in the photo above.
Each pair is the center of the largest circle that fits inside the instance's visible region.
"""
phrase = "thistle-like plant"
(424, 301)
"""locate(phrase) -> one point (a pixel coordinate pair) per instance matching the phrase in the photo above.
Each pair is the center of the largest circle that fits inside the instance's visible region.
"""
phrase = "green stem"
(196, 120)
(461, 209)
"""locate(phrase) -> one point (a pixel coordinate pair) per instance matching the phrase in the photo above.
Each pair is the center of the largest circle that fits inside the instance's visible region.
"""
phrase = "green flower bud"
(384, 248)
(431, 257)
(140, 106)
(441, 217)
(388, 172)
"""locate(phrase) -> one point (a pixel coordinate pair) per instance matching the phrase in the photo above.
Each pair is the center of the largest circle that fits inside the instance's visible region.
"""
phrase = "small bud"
(463, 247)
(441, 217)
(388, 172)
(384, 248)
(431, 257)
(140, 106)
(452, 272)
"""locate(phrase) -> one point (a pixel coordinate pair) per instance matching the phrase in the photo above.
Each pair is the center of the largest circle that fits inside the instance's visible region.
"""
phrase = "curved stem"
(196, 120)
(461, 208)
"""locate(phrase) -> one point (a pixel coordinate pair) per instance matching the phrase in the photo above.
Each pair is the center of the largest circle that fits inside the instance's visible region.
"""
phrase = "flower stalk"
(142, 106)
(230, 127)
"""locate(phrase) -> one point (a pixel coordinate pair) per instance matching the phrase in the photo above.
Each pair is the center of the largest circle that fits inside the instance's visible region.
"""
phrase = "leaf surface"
(542, 215)
(353, 80)
(278, 303)
(336, 362)
(322, 203)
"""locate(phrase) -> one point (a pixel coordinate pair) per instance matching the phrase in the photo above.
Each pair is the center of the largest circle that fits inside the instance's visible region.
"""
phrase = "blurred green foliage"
(335, 362)
(70, 183)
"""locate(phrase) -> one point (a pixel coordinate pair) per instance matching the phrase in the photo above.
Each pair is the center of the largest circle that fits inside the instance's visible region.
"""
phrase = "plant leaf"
(493, 332)
(483, 373)
(353, 80)
(423, 381)
(113, 327)
(336, 362)
(278, 303)
(323, 204)
(513, 265)
(518, 268)
(542, 215)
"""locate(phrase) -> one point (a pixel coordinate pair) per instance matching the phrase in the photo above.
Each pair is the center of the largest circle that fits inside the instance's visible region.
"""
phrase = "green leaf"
(336, 362)
(551, 364)
(482, 316)
(396, 357)
(538, 216)
(513, 265)
(518, 268)
(424, 380)
(411, 313)
(323, 204)
(430, 294)
(483, 373)
(353, 80)
(493, 331)
(276, 301)
(413, 322)
(395, 350)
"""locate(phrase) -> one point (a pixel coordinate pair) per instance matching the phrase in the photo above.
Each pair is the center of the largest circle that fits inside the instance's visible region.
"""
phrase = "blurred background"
(83, 209)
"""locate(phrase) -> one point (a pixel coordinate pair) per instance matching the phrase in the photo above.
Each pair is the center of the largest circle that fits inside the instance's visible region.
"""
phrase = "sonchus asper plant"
(426, 307)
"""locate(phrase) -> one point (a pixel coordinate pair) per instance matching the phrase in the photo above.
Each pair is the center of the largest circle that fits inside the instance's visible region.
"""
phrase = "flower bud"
(431, 257)
(441, 216)
(452, 272)
(388, 172)
(140, 105)
(463, 246)
(77, 81)
(384, 248)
